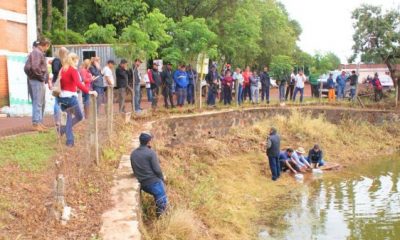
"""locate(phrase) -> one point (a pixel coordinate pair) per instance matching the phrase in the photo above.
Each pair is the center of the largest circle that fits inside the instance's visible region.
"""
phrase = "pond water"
(364, 203)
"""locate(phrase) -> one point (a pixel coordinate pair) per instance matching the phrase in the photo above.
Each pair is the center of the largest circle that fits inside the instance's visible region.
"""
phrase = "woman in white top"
(300, 80)
(148, 87)
(238, 77)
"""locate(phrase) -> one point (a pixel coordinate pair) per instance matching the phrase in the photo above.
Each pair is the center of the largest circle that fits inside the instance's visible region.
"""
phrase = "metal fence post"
(94, 131)
(110, 110)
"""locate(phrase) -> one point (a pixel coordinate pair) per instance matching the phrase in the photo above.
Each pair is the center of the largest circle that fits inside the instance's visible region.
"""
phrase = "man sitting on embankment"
(146, 167)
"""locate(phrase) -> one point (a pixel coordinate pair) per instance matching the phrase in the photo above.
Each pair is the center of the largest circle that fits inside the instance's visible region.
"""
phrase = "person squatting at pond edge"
(146, 168)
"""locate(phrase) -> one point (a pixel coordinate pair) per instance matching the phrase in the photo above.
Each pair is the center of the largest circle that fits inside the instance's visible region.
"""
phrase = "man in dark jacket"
(273, 150)
(192, 76)
(121, 74)
(265, 85)
(167, 81)
(212, 81)
(36, 70)
(146, 167)
(353, 85)
(155, 81)
(315, 157)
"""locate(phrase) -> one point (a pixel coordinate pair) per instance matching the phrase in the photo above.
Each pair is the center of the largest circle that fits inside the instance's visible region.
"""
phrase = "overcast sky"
(327, 24)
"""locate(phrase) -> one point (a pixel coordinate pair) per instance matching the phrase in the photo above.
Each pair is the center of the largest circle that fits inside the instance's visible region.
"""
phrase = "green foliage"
(191, 36)
(377, 34)
(156, 25)
(29, 152)
(324, 63)
(65, 37)
(135, 43)
(100, 34)
(281, 67)
(122, 12)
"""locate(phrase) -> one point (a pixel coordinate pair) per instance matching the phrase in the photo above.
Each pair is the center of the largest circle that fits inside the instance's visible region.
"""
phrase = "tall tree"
(377, 37)
(39, 17)
(49, 19)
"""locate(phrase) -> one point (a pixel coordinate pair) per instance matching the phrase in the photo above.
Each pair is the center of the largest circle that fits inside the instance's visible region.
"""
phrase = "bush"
(65, 37)
(100, 34)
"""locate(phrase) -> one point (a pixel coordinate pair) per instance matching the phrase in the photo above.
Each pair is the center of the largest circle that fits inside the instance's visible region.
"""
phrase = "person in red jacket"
(70, 82)
(246, 83)
(87, 79)
(227, 82)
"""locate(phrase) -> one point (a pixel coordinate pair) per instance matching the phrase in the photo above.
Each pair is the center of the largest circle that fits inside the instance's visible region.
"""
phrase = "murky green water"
(362, 205)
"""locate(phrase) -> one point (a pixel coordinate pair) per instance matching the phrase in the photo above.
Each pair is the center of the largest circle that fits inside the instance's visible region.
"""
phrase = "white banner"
(20, 103)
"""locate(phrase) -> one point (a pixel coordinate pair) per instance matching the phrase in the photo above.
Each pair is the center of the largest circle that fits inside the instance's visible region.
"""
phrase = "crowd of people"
(289, 159)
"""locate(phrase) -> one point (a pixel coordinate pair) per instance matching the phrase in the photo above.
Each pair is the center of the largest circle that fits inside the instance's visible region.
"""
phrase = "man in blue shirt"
(181, 82)
(341, 85)
(286, 161)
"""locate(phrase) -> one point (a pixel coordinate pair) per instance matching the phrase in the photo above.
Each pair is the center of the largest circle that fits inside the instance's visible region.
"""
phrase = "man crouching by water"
(146, 167)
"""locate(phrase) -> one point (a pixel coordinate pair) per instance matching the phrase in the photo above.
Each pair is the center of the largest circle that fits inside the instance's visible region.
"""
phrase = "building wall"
(18, 6)
(18, 31)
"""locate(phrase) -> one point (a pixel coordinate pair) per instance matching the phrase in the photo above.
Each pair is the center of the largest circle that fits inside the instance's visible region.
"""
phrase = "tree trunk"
(392, 70)
(66, 14)
(49, 14)
(39, 17)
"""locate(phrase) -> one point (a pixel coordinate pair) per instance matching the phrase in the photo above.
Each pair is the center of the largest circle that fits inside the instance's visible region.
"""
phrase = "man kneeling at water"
(315, 156)
(298, 157)
(286, 161)
(146, 167)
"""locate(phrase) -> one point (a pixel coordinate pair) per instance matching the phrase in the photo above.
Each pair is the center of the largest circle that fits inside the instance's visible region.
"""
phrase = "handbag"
(56, 90)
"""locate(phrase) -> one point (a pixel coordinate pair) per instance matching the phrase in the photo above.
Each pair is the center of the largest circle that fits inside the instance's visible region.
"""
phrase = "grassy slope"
(221, 188)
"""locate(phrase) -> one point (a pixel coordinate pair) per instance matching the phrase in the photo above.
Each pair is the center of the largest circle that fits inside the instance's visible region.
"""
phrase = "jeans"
(296, 90)
(138, 97)
(57, 112)
(320, 163)
(181, 94)
(239, 94)
(254, 94)
(246, 92)
(168, 95)
(265, 93)
(154, 100)
(352, 93)
(340, 91)
(149, 94)
(38, 100)
(190, 94)
(211, 96)
(121, 99)
(157, 189)
(275, 167)
(100, 96)
(227, 95)
(289, 91)
(282, 91)
(71, 106)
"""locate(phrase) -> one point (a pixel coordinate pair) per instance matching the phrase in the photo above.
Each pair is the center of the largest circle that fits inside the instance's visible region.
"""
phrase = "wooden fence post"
(94, 134)
(110, 110)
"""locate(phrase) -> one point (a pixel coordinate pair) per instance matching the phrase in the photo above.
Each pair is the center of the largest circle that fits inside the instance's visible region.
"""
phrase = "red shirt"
(246, 78)
(227, 81)
(87, 76)
(70, 81)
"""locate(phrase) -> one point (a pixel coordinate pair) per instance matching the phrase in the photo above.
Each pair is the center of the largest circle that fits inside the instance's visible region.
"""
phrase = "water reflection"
(366, 207)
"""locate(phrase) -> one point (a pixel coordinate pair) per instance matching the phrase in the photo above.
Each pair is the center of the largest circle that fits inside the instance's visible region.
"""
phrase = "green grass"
(29, 152)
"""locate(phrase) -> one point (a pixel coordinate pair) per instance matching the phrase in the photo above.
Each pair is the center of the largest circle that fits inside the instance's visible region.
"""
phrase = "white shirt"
(107, 72)
(147, 80)
(239, 77)
(300, 81)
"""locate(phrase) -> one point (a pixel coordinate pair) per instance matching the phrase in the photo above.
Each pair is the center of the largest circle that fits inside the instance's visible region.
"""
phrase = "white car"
(386, 81)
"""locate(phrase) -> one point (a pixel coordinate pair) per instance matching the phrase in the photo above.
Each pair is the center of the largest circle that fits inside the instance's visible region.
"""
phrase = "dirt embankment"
(219, 186)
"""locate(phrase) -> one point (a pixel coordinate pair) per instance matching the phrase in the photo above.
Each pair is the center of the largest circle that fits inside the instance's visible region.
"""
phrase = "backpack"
(28, 66)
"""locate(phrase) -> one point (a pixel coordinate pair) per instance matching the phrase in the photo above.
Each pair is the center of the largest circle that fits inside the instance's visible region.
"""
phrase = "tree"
(323, 63)
(100, 34)
(377, 37)
(49, 19)
(191, 36)
(122, 12)
(39, 17)
(281, 67)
